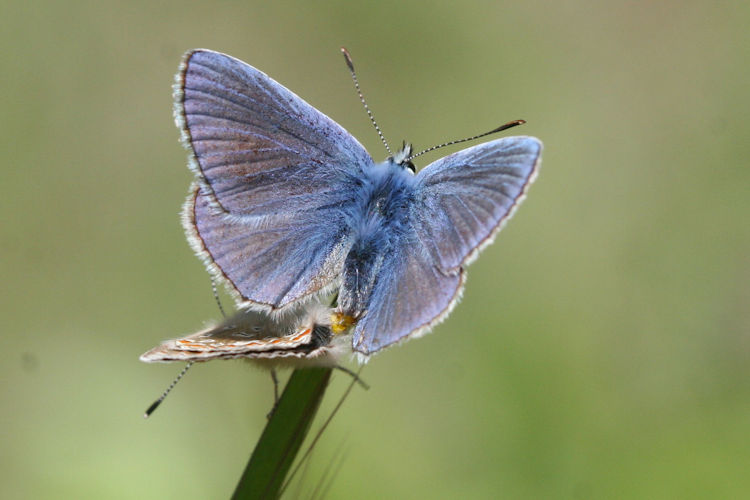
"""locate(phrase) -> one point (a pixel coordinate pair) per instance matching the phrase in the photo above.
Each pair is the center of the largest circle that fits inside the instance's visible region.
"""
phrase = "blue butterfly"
(288, 205)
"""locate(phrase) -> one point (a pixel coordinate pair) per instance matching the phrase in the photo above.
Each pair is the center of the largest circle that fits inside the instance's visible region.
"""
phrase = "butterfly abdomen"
(382, 216)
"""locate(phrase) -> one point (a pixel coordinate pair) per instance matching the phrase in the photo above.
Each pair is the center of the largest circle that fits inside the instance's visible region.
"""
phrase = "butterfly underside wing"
(256, 335)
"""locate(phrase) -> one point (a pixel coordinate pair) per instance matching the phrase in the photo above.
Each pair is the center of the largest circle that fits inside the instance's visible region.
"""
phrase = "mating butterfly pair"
(288, 207)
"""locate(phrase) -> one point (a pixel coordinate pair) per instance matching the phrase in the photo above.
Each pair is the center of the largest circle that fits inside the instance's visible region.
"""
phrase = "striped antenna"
(450, 143)
(350, 64)
(151, 409)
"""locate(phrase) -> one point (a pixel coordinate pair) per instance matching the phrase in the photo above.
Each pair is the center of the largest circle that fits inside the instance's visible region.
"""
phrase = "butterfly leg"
(275, 379)
(353, 375)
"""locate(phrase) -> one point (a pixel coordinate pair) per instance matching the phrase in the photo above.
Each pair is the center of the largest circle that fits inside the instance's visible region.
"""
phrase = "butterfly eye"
(410, 166)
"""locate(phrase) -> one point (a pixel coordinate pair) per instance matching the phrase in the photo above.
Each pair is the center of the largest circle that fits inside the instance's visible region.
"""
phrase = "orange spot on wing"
(301, 335)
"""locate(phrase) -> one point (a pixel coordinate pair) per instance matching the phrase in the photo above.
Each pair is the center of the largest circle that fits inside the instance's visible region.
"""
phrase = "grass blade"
(283, 435)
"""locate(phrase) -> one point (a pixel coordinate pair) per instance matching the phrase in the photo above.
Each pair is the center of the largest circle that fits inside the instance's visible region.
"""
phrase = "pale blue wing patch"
(409, 296)
(464, 199)
(271, 264)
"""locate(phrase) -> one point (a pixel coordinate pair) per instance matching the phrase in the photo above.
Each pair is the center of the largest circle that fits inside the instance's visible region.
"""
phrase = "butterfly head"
(402, 158)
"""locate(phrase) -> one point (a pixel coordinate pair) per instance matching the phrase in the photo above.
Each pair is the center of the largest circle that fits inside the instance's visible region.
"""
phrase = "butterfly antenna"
(151, 409)
(508, 125)
(350, 64)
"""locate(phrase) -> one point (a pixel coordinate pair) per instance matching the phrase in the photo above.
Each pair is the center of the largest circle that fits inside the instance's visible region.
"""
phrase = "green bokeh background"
(602, 346)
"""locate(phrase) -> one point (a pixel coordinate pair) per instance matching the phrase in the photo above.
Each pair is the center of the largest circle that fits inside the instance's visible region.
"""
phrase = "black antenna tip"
(348, 58)
(494, 131)
(508, 125)
(151, 409)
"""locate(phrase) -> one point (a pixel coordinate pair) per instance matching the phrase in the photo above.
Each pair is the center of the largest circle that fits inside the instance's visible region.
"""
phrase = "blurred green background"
(601, 349)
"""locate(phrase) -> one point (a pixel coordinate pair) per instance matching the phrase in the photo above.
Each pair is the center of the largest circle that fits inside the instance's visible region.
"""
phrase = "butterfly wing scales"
(466, 197)
(247, 334)
(274, 264)
(257, 146)
(460, 203)
(277, 178)
(408, 298)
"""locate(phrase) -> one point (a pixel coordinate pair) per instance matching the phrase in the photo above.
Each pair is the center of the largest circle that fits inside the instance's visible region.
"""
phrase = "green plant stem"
(284, 434)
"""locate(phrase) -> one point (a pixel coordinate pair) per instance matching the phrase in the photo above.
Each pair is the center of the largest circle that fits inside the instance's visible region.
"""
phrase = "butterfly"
(288, 206)
(306, 337)
(298, 339)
